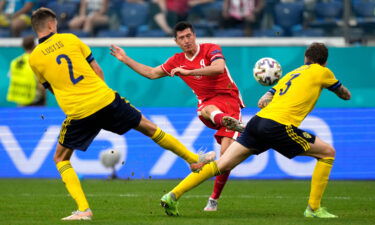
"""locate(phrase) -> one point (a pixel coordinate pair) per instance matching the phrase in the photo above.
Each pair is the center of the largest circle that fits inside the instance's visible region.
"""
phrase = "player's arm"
(144, 70)
(95, 66)
(342, 92)
(266, 98)
(40, 78)
(217, 67)
(332, 84)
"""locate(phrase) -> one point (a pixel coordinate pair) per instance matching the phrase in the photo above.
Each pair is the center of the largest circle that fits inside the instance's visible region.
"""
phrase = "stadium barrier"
(351, 65)
(28, 137)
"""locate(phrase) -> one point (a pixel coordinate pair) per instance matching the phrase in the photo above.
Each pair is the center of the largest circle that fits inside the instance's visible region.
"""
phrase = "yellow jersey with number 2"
(296, 93)
(62, 61)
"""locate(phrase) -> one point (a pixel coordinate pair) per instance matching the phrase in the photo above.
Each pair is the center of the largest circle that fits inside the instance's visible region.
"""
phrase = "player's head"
(44, 20)
(28, 43)
(316, 53)
(184, 35)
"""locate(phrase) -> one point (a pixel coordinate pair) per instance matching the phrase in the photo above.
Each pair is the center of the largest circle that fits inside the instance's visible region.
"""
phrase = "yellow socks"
(195, 179)
(169, 142)
(319, 181)
(69, 177)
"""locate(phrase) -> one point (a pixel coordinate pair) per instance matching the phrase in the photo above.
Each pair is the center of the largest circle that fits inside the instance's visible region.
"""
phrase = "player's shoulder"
(210, 49)
(68, 36)
(208, 45)
(177, 56)
(316, 68)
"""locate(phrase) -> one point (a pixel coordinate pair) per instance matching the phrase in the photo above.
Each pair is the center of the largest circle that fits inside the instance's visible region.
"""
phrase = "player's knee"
(329, 151)
(58, 157)
(206, 111)
(62, 154)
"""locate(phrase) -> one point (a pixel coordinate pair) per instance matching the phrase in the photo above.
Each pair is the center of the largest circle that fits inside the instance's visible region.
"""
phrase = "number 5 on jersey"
(70, 67)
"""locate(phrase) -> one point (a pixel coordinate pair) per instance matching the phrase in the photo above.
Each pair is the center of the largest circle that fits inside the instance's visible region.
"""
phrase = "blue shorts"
(262, 134)
(118, 117)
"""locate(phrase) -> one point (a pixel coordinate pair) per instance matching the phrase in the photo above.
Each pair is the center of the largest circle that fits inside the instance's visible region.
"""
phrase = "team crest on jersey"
(306, 135)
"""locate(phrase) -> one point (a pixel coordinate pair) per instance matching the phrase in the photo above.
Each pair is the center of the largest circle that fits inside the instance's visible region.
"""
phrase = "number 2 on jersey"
(288, 83)
(70, 67)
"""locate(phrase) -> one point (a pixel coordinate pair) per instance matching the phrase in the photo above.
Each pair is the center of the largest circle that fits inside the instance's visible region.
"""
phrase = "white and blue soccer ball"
(110, 158)
(267, 71)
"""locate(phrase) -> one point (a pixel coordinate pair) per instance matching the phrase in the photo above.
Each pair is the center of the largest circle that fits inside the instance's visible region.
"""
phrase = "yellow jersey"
(62, 61)
(296, 93)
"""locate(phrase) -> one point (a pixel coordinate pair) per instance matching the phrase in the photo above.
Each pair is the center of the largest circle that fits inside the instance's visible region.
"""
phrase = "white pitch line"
(132, 195)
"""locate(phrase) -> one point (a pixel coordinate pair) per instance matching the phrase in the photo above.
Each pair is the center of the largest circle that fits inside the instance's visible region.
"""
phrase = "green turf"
(264, 202)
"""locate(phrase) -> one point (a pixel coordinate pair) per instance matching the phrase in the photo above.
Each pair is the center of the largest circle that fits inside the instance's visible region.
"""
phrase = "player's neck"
(192, 52)
(44, 33)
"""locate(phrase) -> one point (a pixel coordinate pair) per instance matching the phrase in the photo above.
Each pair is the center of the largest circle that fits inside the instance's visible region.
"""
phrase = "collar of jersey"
(195, 55)
(42, 39)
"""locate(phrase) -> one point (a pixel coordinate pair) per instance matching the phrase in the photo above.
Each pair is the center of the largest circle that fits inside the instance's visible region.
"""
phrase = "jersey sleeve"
(169, 65)
(214, 53)
(329, 80)
(86, 51)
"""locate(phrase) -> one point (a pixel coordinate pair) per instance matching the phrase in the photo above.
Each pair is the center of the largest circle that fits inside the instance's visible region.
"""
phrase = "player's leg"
(235, 154)
(72, 183)
(325, 154)
(123, 116)
(167, 141)
(18, 24)
(77, 22)
(220, 118)
(220, 180)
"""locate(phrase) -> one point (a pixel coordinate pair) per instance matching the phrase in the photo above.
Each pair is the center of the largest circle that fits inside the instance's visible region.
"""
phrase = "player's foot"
(321, 212)
(233, 124)
(211, 205)
(204, 158)
(79, 215)
(169, 203)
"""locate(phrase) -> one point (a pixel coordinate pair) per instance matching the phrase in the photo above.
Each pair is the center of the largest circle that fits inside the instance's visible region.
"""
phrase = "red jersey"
(204, 87)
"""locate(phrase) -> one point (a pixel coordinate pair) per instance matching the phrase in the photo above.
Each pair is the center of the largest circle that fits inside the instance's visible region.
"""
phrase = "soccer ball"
(110, 158)
(267, 71)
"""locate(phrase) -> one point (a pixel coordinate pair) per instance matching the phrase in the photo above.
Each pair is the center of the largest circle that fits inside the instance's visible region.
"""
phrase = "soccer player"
(66, 66)
(202, 67)
(275, 126)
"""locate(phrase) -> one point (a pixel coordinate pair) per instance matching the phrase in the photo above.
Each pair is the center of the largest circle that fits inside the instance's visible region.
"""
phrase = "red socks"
(217, 117)
(220, 182)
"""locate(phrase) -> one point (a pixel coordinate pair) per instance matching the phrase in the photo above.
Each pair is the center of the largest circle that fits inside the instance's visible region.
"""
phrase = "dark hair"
(28, 43)
(40, 16)
(180, 26)
(317, 53)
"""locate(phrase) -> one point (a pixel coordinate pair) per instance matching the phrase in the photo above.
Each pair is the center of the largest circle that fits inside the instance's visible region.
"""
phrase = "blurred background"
(246, 29)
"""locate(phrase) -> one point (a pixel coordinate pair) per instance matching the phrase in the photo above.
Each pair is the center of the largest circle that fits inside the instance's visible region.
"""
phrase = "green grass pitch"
(263, 202)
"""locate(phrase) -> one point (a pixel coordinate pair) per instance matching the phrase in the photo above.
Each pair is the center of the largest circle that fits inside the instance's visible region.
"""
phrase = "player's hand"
(178, 71)
(118, 52)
